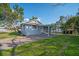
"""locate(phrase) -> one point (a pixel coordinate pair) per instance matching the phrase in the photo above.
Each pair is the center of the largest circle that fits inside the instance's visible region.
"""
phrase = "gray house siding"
(29, 30)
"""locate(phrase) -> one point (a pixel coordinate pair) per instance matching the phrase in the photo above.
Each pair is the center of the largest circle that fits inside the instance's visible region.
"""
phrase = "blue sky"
(48, 13)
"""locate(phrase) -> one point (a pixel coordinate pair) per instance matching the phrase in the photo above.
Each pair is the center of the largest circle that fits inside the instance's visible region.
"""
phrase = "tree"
(72, 23)
(18, 14)
(53, 26)
(19, 11)
(77, 12)
(61, 20)
(33, 18)
(5, 11)
(8, 16)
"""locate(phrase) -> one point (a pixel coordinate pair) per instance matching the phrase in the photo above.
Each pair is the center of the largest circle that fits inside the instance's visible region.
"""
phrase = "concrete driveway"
(9, 43)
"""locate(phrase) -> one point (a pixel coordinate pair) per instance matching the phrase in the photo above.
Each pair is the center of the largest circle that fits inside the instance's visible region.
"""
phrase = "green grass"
(5, 35)
(57, 46)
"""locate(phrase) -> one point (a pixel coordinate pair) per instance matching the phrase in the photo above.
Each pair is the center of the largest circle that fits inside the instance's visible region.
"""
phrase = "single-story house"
(3, 29)
(34, 27)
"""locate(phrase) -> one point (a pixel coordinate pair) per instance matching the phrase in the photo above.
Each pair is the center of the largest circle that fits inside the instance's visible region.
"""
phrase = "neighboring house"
(34, 27)
(3, 29)
(58, 24)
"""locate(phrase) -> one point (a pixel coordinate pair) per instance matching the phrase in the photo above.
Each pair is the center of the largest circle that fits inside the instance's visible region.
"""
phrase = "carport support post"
(42, 29)
(48, 30)
(37, 27)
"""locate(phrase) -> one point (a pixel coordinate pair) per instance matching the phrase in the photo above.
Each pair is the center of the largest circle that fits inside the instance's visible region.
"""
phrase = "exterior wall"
(23, 30)
(29, 30)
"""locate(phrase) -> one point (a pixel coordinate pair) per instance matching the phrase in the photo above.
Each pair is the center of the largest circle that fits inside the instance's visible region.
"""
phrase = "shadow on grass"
(14, 45)
(13, 52)
(1, 53)
(15, 34)
(1, 50)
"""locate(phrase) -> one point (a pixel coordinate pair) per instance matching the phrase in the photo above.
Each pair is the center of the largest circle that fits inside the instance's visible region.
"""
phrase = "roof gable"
(34, 22)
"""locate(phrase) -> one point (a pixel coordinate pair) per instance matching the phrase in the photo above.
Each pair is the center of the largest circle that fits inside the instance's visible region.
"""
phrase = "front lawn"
(6, 35)
(56, 46)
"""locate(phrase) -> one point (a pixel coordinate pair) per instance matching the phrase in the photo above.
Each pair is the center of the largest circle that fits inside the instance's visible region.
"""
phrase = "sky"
(48, 13)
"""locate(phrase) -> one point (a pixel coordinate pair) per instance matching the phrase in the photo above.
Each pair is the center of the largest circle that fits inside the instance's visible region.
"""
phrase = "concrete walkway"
(8, 43)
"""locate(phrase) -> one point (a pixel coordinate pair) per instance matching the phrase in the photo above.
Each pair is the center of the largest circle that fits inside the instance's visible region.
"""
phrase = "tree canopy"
(34, 18)
(9, 15)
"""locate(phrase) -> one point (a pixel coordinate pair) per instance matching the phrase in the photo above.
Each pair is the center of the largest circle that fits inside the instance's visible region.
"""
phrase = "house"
(34, 27)
(3, 29)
